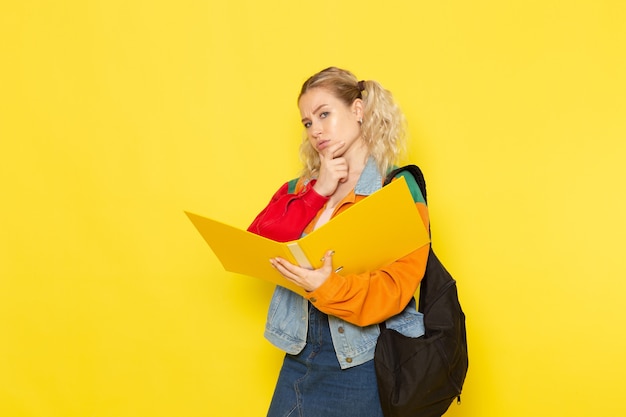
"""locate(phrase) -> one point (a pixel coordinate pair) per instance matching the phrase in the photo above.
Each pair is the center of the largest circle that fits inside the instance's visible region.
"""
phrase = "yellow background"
(115, 116)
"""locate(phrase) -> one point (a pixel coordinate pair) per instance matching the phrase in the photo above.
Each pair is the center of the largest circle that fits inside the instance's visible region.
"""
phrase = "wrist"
(319, 190)
(312, 198)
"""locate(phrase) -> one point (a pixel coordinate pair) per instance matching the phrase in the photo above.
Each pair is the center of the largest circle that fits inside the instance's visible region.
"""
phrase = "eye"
(324, 114)
(307, 124)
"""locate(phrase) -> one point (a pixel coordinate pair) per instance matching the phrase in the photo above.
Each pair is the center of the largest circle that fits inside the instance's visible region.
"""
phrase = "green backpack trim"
(416, 191)
(291, 186)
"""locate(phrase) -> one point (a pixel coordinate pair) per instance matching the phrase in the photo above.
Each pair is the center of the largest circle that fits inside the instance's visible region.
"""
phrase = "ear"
(357, 108)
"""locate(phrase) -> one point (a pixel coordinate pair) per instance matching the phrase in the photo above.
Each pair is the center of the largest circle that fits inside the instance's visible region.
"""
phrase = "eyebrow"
(315, 110)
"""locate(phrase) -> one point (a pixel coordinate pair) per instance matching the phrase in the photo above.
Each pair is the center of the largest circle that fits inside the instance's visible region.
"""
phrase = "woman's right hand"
(333, 170)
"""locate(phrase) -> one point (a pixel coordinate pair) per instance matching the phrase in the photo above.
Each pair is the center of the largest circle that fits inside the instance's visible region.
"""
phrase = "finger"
(341, 169)
(333, 149)
(287, 269)
(328, 260)
(282, 271)
(328, 263)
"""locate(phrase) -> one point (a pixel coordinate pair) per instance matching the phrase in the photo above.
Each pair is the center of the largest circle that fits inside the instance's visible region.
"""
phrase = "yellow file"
(371, 234)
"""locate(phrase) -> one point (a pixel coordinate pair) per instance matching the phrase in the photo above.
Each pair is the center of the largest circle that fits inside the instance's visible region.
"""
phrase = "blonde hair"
(384, 126)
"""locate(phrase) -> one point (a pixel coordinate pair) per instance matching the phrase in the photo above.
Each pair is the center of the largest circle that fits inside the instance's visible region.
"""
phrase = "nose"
(316, 129)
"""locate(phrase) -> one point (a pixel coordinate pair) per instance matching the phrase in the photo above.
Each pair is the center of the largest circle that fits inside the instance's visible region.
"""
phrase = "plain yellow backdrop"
(115, 116)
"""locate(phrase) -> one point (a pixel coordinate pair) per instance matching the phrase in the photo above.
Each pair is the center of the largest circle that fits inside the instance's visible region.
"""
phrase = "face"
(328, 120)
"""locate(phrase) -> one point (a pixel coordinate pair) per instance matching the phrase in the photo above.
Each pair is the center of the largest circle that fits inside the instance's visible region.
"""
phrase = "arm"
(286, 215)
(374, 296)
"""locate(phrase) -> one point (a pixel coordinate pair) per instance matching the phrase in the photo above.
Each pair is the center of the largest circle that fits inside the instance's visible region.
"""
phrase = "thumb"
(328, 260)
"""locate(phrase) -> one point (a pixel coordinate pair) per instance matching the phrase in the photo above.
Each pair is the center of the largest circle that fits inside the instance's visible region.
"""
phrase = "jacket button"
(340, 329)
(349, 360)
(313, 299)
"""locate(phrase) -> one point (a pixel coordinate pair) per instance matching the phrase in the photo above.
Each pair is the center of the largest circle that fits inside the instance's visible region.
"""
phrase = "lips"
(322, 144)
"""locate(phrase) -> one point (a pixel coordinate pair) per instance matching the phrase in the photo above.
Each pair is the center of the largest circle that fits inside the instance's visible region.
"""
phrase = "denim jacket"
(287, 319)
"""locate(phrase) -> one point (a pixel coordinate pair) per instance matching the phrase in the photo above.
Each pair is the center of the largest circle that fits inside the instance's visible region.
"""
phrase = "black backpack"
(420, 377)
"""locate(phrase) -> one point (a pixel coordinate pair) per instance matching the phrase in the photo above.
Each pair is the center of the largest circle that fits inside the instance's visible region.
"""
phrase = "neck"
(356, 157)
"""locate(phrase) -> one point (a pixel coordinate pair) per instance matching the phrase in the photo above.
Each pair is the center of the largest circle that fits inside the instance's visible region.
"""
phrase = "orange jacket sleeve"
(374, 296)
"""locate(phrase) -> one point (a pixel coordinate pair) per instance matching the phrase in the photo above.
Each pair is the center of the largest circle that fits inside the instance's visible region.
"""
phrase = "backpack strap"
(418, 178)
(416, 172)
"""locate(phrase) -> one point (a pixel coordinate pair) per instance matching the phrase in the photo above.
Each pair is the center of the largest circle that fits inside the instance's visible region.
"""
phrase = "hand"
(333, 170)
(308, 279)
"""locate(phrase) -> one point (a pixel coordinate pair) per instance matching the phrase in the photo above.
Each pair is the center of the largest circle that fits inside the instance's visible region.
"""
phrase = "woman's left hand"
(308, 279)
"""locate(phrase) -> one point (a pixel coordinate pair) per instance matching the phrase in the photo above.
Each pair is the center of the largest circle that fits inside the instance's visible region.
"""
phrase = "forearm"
(372, 297)
(286, 215)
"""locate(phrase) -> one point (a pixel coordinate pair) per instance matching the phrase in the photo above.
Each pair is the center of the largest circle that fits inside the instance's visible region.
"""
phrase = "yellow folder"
(371, 234)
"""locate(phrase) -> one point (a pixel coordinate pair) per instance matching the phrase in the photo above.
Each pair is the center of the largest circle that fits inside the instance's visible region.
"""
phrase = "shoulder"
(296, 185)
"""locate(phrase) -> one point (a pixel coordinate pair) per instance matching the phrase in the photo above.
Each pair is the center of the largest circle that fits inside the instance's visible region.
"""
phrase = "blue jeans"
(312, 384)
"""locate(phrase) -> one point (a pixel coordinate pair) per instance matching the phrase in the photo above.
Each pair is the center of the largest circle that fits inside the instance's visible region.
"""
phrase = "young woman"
(354, 134)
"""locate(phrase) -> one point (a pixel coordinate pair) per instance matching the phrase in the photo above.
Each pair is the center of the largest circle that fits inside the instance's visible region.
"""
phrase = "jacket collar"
(370, 180)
